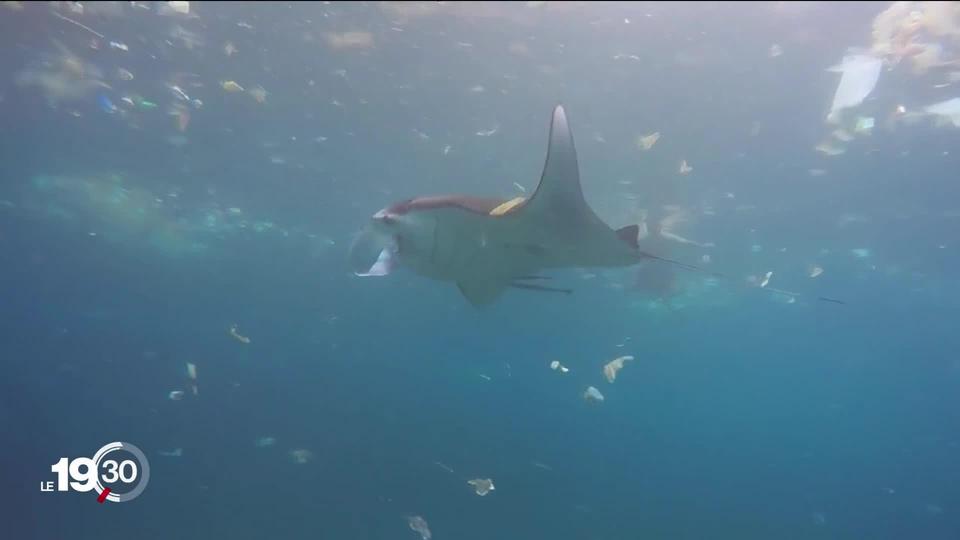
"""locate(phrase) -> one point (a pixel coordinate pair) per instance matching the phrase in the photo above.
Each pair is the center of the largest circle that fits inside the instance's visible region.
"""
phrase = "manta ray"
(486, 246)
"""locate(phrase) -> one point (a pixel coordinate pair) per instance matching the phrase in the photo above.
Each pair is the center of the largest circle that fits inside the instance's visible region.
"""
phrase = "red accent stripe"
(103, 496)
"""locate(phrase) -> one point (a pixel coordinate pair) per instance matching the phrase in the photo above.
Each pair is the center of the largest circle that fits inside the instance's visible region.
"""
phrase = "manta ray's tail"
(720, 275)
(637, 237)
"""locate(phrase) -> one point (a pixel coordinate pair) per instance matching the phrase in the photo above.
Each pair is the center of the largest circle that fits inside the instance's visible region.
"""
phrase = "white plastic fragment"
(180, 7)
(482, 486)
(864, 124)
(264, 442)
(301, 456)
(592, 394)
(419, 525)
(860, 75)
(610, 370)
(949, 109)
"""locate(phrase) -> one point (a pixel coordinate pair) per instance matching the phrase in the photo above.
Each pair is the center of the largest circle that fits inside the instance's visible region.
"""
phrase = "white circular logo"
(121, 474)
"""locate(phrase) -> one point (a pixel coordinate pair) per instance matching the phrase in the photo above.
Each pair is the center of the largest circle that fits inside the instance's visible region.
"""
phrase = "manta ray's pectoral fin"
(558, 203)
(630, 235)
(481, 292)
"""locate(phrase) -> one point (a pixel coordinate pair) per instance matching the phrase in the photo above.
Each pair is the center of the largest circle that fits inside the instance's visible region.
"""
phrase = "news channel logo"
(117, 472)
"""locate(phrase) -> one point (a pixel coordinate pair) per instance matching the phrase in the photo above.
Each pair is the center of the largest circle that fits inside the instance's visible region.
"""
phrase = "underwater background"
(181, 184)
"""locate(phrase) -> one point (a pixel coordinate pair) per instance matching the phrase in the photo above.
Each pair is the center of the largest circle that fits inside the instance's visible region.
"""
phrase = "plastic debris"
(119, 46)
(349, 40)
(106, 105)
(236, 335)
(487, 132)
(258, 93)
(192, 373)
(860, 253)
(593, 395)
(557, 366)
(301, 456)
(815, 271)
(685, 168)
(264, 442)
(231, 86)
(178, 93)
(443, 466)
(864, 124)
(610, 370)
(482, 486)
(419, 525)
(830, 148)
(842, 135)
(949, 109)
(229, 48)
(180, 7)
(64, 79)
(766, 280)
(775, 51)
(175, 395)
(520, 187)
(860, 75)
(646, 142)
(124, 75)
(926, 56)
(77, 24)
(182, 115)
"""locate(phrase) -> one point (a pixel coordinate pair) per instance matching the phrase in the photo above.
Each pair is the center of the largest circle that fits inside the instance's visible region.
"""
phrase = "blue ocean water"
(148, 206)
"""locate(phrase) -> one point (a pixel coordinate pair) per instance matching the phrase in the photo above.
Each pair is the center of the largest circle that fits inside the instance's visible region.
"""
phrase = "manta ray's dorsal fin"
(558, 200)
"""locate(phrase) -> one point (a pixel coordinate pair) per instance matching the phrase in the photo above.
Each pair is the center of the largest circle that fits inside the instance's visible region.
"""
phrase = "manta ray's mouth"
(367, 247)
